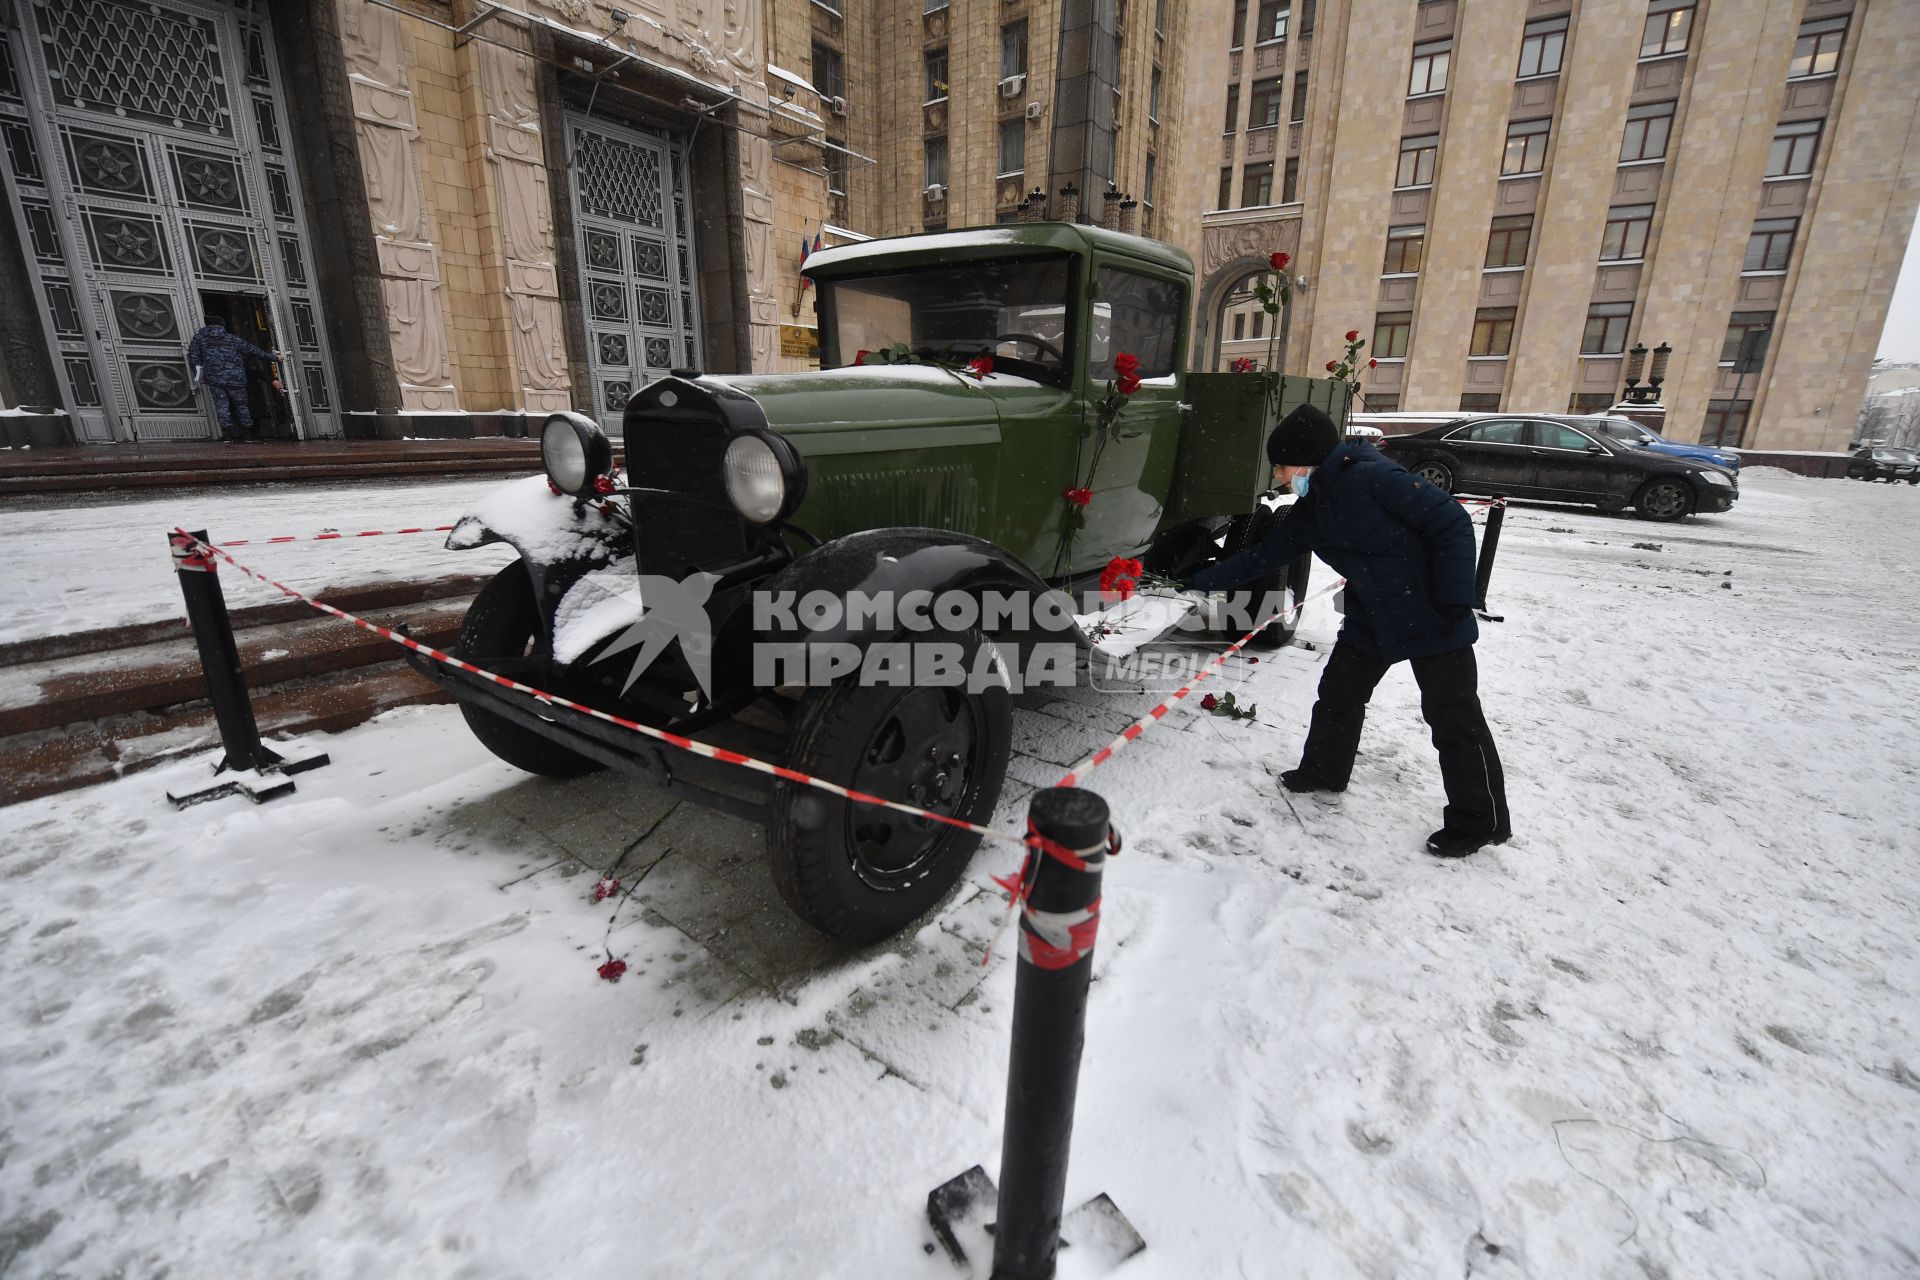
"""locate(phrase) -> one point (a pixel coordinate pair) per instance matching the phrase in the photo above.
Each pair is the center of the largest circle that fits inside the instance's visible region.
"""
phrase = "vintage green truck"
(906, 467)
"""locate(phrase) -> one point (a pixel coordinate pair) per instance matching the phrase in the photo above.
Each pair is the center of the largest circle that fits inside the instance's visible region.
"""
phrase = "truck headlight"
(764, 478)
(574, 452)
(1718, 477)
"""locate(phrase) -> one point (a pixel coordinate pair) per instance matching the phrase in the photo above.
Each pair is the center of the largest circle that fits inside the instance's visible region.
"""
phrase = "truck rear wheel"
(503, 623)
(1244, 532)
(860, 872)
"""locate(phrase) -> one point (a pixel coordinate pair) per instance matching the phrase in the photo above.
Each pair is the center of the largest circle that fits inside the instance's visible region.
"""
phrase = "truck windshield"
(1013, 310)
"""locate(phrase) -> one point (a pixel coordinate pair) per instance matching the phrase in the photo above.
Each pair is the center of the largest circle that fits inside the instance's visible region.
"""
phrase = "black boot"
(1302, 780)
(1448, 843)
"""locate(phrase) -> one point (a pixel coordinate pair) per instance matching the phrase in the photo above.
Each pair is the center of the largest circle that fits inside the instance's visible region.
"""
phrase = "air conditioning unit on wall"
(935, 192)
(1012, 85)
(1034, 110)
(837, 105)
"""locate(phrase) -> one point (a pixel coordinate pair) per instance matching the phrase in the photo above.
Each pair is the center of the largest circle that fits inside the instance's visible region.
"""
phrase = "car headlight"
(574, 452)
(764, 477)
(1717, 477)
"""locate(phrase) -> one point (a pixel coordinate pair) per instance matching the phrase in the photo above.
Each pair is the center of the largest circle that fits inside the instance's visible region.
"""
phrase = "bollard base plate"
(962, 1210)
(257, 785)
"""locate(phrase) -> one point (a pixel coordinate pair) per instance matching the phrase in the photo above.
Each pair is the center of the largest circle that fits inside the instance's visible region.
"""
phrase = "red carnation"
(612, 970)
(1242, 365)
(1126, 364)
(1373, 364)
(980, 366)
(1333, 366)
(604, 485)
(1251, 658)
(1353, 335)
(860, 357)
(1121, 577)
(605, 888)
(556, 489)
(1279, 261)
(1209, 702)
(1078, 497)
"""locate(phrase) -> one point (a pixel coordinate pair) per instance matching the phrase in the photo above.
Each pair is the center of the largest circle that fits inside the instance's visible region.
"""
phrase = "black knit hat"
(1304, 438)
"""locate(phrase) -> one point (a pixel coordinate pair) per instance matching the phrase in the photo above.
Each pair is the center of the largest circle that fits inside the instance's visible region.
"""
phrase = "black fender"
(559, 539)
(892, 564)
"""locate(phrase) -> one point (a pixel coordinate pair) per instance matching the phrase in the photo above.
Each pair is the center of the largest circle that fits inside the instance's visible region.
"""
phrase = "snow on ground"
(80, 561)
(1668, 1031)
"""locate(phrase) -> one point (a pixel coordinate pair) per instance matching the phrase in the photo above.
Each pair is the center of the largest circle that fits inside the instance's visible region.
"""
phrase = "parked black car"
(1878, 462)
(1563, 460)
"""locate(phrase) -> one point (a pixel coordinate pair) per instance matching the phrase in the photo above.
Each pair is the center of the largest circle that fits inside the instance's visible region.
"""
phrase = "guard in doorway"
(219, 359)
(1406, 551)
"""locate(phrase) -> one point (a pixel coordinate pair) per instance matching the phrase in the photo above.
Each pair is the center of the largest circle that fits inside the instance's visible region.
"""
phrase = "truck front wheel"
(860, 872)
(502, 627)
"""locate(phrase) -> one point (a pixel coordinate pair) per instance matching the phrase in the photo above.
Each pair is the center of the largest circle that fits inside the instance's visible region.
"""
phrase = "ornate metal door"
(146, 161)
(635, 240)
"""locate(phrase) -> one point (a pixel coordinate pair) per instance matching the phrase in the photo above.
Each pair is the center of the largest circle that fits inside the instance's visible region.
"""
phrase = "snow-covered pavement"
(1668, 1031)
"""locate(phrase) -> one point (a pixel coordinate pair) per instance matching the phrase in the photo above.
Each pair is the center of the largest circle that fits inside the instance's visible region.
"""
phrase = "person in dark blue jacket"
(219, 358)
(1406, 550)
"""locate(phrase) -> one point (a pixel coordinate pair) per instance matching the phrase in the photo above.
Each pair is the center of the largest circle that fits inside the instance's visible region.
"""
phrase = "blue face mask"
(1299, 484)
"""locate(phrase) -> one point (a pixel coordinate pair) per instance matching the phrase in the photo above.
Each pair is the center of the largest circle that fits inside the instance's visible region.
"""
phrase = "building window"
(1240, 327)
(1542, 47)
(1259, 324)
(1742, 324)
(1404, 248)
(1273, 20)
(1507, 242)
(1647, 130)
(1160, 17)
(1526, 147)
(1013, 49)
(1817, 51)
(1013, 146)
(936, 154)
(1290, 181)
(1626, 236)
(1233, 108)
(1379, 404)
(1606, 332)
(1429, 73)
(1480, 402)
(1793, 148)
(1256, 185)
(1726, 424)
(1416, 161)
(1306, 17)
(829, 72)
(1299, 96)
(1669, 23)
(831, 6)
(1226, 190)
(1390, 330)
(1239, 24)
(1492, 332)
(1265, 104)
(1770, 245)
(836, 172)
(1589, 402)
(936, 74)
(1153, 96)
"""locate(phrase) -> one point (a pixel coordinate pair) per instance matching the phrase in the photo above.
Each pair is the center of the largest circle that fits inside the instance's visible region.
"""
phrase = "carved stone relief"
(390, 165)
(1221, 245)
(756, 159)
(516, 165)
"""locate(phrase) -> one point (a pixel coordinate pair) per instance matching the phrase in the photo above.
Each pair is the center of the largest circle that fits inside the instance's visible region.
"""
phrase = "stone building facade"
(1509, 195)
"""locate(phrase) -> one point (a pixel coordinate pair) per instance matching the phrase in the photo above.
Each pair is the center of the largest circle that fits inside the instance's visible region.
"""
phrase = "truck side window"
(1135, 313)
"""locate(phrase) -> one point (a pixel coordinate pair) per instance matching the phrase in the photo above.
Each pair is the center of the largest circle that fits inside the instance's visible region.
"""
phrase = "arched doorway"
(1229, 322)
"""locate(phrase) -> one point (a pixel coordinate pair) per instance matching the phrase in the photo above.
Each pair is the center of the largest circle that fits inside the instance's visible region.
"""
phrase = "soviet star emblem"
(109, 165)
(129, 241)
(161, 384)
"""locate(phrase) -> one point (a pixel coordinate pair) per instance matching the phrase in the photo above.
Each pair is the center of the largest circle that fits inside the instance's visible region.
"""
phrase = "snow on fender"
(544, 527)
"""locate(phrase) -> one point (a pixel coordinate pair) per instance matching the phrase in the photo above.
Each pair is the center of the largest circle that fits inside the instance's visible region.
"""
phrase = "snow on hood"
(540, 523)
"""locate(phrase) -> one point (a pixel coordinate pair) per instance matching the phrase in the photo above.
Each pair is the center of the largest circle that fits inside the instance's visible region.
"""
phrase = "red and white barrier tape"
(332, 537)
(1481, 502)
(1052, 939)
(706, 750)
(1074, 776)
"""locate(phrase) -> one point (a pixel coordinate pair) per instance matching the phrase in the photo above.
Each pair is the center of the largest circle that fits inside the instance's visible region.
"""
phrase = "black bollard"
(1049, 1028)
(1489, 545)
(219, 655)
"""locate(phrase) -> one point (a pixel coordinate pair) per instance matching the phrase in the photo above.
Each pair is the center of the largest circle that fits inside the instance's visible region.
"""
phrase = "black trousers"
(1450, 701)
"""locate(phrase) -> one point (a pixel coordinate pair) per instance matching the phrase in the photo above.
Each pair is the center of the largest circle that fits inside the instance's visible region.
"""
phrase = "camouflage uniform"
(221, 358)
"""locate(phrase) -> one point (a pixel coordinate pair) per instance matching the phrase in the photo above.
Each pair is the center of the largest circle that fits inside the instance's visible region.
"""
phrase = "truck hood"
(813, 409)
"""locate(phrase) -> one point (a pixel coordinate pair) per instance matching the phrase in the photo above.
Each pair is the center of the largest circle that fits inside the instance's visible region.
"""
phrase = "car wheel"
(1664, 500)
(1244, 532)
(860, 872)
(503, 625)
(1436, 473)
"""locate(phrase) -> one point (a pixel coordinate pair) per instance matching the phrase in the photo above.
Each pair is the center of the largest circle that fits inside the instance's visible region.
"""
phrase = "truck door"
(1141, 312)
